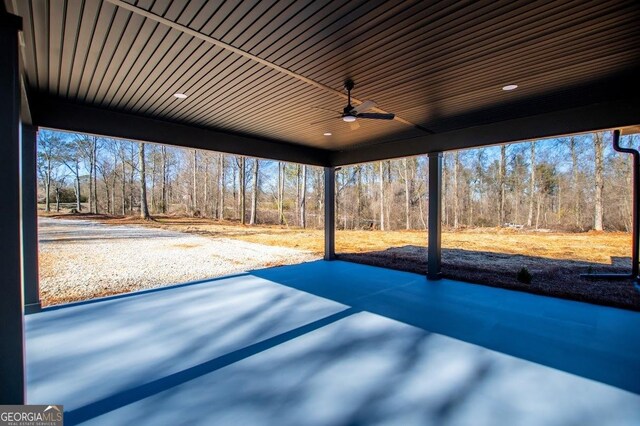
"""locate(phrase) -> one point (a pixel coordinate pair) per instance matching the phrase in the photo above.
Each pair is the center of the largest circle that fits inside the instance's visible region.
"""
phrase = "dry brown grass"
(489, 256)
(597, 247)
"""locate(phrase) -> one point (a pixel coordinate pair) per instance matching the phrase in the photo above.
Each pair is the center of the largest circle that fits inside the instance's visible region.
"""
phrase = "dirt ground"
(490, 256)
(85, 259)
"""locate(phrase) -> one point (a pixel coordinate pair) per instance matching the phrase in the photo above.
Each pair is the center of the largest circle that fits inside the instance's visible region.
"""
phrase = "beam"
(30, 277)
(54, 113)
(11, 315)
(329, 213)
(434, 251)
(590, 118)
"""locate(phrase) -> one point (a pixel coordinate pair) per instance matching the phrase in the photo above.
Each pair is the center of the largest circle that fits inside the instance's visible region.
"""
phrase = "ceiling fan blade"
(376, 116)
(326, 109)
(365, 106)
(354, 125)
(324, 121)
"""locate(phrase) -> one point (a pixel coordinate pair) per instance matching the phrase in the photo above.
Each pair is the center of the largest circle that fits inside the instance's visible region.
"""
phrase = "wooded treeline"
(110, 175)
(576, 183)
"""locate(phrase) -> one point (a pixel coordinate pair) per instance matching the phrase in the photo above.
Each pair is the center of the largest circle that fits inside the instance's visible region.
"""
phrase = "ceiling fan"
(351, 114)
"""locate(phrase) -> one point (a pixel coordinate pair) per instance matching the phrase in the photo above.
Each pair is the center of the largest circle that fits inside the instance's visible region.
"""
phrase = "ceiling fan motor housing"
(348, 114)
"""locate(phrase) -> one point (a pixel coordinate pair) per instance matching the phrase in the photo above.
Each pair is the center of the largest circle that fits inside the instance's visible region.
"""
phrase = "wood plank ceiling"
(437, 65)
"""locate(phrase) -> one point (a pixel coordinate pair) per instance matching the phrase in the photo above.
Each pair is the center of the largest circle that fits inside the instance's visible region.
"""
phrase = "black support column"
(329, 213)
(435, 216)
(11, 311)
(30, 220)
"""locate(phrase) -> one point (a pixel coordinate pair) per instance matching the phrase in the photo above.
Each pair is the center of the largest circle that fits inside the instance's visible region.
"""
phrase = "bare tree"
(58, 184)
(445, 188)
(144, 209)
(298, 192)
(107, 172)
(599, 182)
(94, 163)
(382, 224)
(456, 170)
(281, 181)
(303, 198)
(123, 177)
(221, 182)
(205, 203)
(532, 185)
(502, 177)
(194, 187)
(242, 184)
(70, 156)
(163, 151)
(154, 169)
(254, 193)
(133, 153)
(48, 147)
(556, 187)
(574, 181)
(407, 195)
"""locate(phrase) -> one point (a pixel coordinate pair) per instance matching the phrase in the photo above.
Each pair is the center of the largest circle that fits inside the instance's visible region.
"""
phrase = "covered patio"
(325, 342)
(335, 343)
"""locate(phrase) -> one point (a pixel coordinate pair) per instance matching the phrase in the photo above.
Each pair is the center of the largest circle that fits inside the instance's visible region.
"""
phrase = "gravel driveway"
(82, 259)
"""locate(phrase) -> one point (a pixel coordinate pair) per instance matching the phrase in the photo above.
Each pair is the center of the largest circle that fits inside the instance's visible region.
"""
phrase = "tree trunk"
(144, 209)
(456, 206)
(164, 178)
(532, 185)
(281, 172)
(242, 184)
(95, 174)
(78, 195)
(303, 198)
(407, 215)
(113, 196)
(445, 190)
(574, 182)
(298, 192)
(131, 182)
(205, 202)
(254, 194)
(57, 199)
(502, 178)
(154, 168)
(47, 198)
(124, 182)
(194, 195)
(358, 212)
(221, 188)
(599, 171)
(382, 224)
(108, 195)
(538, 210)
(91, 208)
(319, 196)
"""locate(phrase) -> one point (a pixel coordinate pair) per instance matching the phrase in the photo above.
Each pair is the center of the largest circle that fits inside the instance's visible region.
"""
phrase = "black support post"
(434, 255)
(329, 213)
(11, 311)
(30, 220)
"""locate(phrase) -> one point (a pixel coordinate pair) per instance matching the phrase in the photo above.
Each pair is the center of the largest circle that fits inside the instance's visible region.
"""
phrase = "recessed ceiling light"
(510, 87)
(180, 95)
(327, 133)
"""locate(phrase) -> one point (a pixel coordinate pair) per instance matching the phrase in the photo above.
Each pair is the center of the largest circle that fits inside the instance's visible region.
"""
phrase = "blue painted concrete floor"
(335, 343)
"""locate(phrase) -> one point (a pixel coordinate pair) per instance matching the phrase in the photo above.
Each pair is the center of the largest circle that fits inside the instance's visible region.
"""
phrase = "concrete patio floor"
(335, 343)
